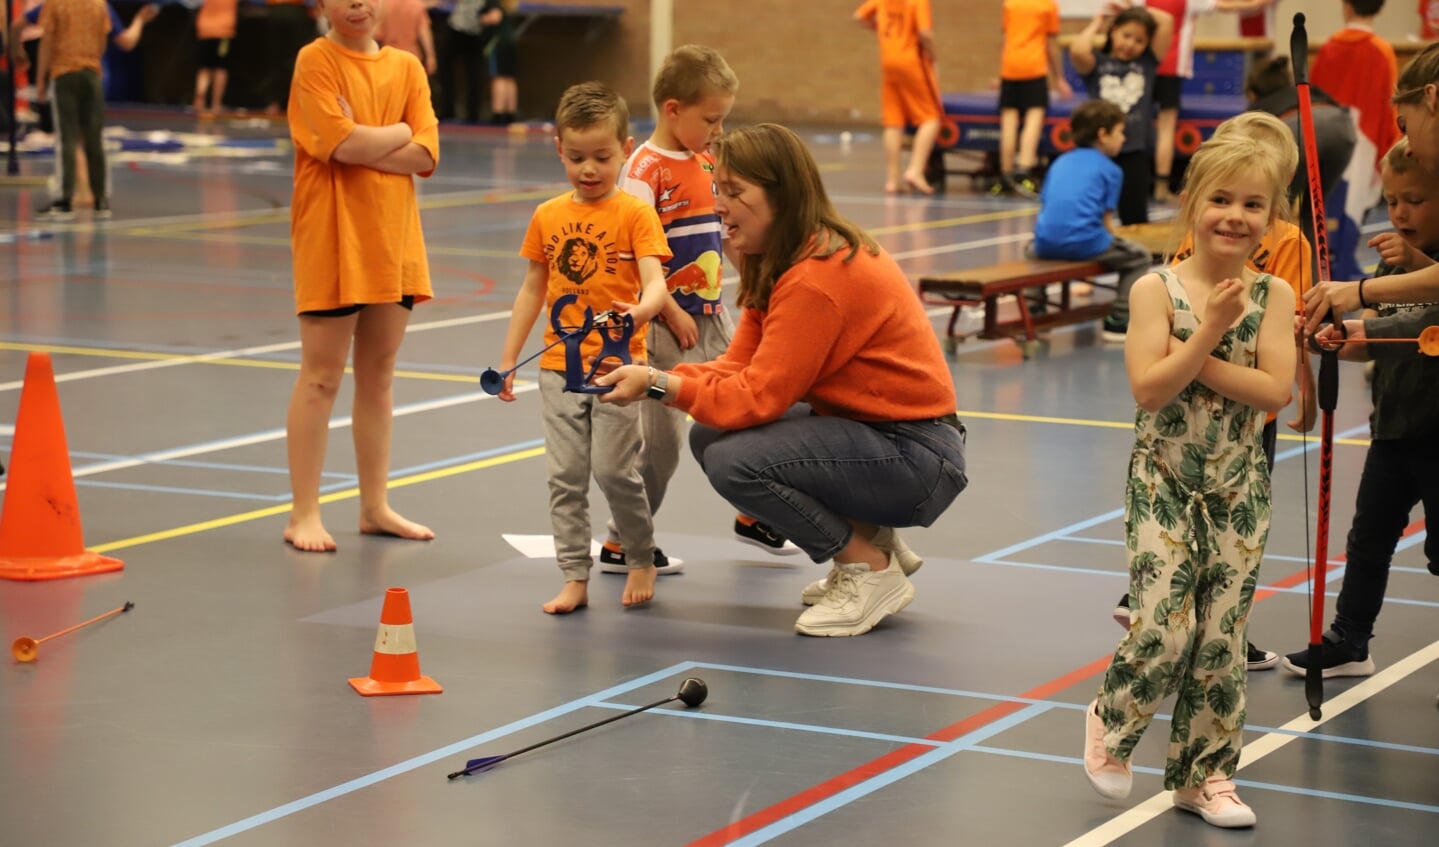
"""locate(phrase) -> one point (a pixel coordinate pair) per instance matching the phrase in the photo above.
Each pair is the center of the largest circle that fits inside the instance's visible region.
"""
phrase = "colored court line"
(1125, 425)
(1242, 783)
(1160, 803)
(273, 435)
(873, 775)
(431, 757)
(263, 349)
(185, 358)
(284, 508)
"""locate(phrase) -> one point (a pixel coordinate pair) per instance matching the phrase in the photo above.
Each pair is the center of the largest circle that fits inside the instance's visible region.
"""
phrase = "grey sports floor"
(217, 711)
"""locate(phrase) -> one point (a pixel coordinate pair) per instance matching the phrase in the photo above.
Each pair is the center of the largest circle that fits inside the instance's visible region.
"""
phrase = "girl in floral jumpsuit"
(1210, 350)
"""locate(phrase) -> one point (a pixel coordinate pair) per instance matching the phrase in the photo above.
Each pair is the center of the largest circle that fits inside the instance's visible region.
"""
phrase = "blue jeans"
(807, 476)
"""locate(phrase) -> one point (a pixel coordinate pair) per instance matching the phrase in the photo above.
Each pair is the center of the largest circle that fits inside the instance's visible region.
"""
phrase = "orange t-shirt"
(355, 231)
(849, 338)
(899, 23)
(217, 19)
(1283, 252)
(592, 250)
(1028, 26)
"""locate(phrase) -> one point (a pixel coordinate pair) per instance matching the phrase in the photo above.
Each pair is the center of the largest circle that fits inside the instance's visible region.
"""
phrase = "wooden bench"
(1158, 237)
(1026, 281)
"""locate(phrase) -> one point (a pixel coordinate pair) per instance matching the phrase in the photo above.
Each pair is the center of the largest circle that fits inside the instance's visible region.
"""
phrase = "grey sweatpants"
(662, 428)
(584, 436)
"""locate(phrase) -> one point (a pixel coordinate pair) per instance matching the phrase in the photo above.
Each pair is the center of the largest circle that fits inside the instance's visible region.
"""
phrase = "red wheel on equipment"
(1061, 137)
(1187, 139)
(948, 133)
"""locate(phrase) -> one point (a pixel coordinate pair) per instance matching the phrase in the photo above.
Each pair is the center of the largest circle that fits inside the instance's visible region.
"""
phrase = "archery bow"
(1328, 388)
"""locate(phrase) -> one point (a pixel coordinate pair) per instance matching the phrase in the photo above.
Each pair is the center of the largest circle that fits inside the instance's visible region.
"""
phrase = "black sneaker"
(1337, 657)
(1261, 660)
(58, 210)
(612, 560)
(763, 537)
(1026, 187)
(1115, 331)
(102, 209)
(1121, 612)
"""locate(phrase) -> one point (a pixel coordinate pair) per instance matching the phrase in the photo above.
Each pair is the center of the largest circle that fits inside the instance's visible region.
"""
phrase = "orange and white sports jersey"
(899, 23)
(680, 186)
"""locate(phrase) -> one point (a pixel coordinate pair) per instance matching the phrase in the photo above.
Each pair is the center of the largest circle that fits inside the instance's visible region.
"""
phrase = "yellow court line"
(102, 353)
(521, 455)
(283, 508)
(1090, 422)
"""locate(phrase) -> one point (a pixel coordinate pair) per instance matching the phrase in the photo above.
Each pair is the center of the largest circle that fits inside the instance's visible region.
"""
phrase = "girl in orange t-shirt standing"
(362, 125)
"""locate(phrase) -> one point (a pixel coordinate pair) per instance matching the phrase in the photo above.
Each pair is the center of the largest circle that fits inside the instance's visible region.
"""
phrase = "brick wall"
(797, 60)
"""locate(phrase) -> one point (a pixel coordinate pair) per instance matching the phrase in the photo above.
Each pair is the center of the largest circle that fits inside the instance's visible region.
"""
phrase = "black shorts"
(213, 54)
(1166, 92)
(407, 301)
(503, 61)
(1024, 94)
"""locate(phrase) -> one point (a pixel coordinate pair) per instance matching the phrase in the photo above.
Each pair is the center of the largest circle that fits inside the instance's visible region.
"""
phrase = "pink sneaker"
(1109, 776)
(1216, 802)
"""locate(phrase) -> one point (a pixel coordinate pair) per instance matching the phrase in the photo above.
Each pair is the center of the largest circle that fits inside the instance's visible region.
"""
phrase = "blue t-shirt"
(1130, 86)
(1078, 189)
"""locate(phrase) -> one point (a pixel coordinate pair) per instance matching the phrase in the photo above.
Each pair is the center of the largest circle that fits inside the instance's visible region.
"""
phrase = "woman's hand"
(1338, 297)
(629, 381)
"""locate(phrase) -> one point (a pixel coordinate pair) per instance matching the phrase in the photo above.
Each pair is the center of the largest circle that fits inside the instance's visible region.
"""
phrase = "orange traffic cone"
(395, 668)
(40, 534)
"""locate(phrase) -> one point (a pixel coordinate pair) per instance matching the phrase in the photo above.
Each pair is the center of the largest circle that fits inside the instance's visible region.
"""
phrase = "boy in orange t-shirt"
(909, 93)
(606, 247)
(362, 125)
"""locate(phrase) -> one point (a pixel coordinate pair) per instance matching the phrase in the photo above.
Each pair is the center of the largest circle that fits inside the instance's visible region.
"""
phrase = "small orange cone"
(40, 534)
(395, 668)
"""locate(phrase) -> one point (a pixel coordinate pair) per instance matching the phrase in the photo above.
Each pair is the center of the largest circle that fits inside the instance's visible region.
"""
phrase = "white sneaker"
(886, 539)
(1217, 802)
(857, 598)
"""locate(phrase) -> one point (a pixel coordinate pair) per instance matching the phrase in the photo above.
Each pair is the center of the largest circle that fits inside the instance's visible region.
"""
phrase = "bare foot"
(891, 188)
(388, 522)
(309, 535)
(916, 181)
(639, 586)
(575, 595)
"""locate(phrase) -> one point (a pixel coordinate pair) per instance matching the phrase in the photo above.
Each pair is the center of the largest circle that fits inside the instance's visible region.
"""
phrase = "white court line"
(272, 435)
(240, 352)
(1268, 743)
(447, 323)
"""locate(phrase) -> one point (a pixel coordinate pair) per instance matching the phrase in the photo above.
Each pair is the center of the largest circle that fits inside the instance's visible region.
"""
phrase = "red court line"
(893, 759)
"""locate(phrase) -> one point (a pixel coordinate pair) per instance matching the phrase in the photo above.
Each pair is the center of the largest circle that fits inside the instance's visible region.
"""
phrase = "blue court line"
(1330, 576)
(1242, 783)
(171, 489)
(454, 749)
(796, 727)
(1053, 704)
(190, 463)
(855, 792)
(984, 695)
(990, 558)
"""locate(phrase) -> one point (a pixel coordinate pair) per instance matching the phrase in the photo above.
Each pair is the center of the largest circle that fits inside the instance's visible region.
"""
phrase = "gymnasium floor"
(217, 711)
